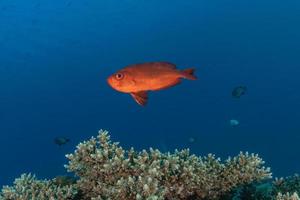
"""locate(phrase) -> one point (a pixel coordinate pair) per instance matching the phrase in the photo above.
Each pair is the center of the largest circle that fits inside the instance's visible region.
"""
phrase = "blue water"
(55, 57)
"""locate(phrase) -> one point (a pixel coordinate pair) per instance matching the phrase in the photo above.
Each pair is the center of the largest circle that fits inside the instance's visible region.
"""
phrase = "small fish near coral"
(239, 91)
(61, 141)
(138, 79)
(64, 180)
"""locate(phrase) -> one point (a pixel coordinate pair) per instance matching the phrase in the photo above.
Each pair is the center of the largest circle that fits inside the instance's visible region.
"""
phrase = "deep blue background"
(55, 56)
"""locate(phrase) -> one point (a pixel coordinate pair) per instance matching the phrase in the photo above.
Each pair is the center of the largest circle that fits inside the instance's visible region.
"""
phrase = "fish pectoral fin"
(140, 97)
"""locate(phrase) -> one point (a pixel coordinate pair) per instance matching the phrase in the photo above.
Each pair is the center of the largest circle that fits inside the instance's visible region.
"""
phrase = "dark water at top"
(55, 57)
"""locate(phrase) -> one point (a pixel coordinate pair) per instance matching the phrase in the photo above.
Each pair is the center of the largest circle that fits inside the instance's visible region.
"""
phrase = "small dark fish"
(61, 140)
(64, 180)
(239, 91)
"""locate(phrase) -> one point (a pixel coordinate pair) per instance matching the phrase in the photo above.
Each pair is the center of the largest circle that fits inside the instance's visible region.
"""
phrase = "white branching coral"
(287, 196)
(107, 171)
(28, 187)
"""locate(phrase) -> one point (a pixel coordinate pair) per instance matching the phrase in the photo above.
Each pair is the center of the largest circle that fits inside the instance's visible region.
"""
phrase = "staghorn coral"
(282, 188)
(288, 184)
(287, 196)
(27, 187)
(252, 191)
(107, 171)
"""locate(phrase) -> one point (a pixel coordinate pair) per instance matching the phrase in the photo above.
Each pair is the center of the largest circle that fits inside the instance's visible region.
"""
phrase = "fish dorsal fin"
(140, 97)
(165, 65)
(157, 65)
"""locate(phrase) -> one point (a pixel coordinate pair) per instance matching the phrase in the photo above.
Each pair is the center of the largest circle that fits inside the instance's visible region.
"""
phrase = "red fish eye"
(119, 76)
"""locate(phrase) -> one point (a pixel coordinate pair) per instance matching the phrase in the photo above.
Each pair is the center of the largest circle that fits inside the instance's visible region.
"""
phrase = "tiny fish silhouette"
(61, 140)
(237, 92)
(138, 79)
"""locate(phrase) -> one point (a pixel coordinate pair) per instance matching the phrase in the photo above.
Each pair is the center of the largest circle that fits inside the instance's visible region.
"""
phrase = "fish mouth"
(109, 81)
(112, 83)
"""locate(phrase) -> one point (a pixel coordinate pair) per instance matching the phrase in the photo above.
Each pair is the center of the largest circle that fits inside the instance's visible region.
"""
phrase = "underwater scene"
(149, 100)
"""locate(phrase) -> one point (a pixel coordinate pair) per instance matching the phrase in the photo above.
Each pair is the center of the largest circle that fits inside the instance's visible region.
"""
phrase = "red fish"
(138, 79)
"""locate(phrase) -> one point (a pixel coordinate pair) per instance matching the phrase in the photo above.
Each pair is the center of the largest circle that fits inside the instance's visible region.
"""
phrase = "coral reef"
(289, 184)
(287, 196)
(281, 188)
(27, 187)
(105, 171)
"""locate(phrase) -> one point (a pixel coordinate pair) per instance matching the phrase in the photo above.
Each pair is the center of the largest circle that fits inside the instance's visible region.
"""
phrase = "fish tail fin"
(189, 73)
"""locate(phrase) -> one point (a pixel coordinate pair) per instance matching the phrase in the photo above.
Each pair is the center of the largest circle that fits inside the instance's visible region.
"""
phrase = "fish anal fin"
(140, 97)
